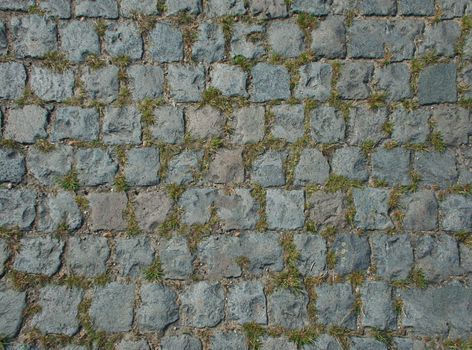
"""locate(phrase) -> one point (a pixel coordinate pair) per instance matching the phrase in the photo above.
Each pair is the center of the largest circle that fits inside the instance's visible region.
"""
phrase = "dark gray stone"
(453, 123)
(176, 258)
(284, 209)
(219, 8)
(142, 167)
(33, 36)
(444, 311)
(15, 74)
(328, 125)
(183, 166)
(112, 307)
(456, 211)
(228, 341)
(12, 304)
(311, 168)
(183, 341)
(393, 256)
(186, 82)
(377, 305)
(145, 7)
(372, 209)
(366, 125)
(95, 167)
(241, 46)
(286, 38)
(335, 305)
(288, 122)
(101, 84)
(436, 168)
(410, 126)
(12, 165)
(329, 37)
(230, 80)
(315, 81)
(151, 209)
(51, 86)
(352, 253)
(196, 204)
(219, 256)
(92, 8)
(263, 252)
(237, 210)
(287, 309)
(358, 343)
(416, 7)
(87, 256)
(378, 7)
(19, 5)
(56, 210)
(327, 209)
(49, 167)
(17, 208)
(268, 8)
(106, 211)
(132, 345)
(202, 305)
(437, 84)
(351, 163)
(392, 166)
(174, 7)
(314, 7)
(269, 343)
(437, 257)
(204, 122)
(247, 303)
(166, 43)
(133, 255)
(75, 123)
(158, 308)
(421, 212)
(4, 255)
(79, 39)
(268, 169)
(227, 166)
(145, 81)
(312, 258)
(269, 82)
(123, 39)
(59, 310)
(440, 38)
(27, 124)
(122, 125)
(354, 80)
(394, 79)
(168, 126)
(210, 43)
(39, 255)
(248, 125)
(453, 8)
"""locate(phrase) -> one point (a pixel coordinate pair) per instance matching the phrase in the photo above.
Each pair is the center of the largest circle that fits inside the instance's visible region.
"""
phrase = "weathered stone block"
(284, 209)
(158, 308)
(87, 256)
(106, 211)
(39, 255)
(202, 304)
(133, 255)
(17, 208)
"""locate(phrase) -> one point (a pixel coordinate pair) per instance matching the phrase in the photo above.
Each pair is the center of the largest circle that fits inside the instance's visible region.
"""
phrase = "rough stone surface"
(12, 165)
(312, 258)
(158, 308)
(210, 44)
(79, 40)
(315, 81)
(12, 305)
(328, 125)
(15, 74)
(437, 84)
(371, 209)
(287, 309)
(76, 123)
(454, 125)
(241, 46)
(286, 38)
(166, 43)
(183, 166)
(112, 307)
(133, 255)
(87, 256)
(355, 77)
(311, 168)
(146, 81)
(393, 256)
(391, 166)
(205, 122)
(95, 167)
(247, 303)
(49, 167)
(91, 8)
(270, 82)
(121, 125)
(267, 169)
(288, 122)
(327, 209)
(106, 211)
(237, 210)
(4, 255)
(377, 305)
(17, 208)
(394, 79)
(366, 125)
(329, 37)
(421, 212)
(142, 167)
(168, 125)
(123, 39)
(285, 209)
(335, 305)
(228, 341)
(248, 125)
(410, 126)
(186, 82)
(196, 205)
(227, 166)
(436, 168)
(27, 124)
(33, 36)
(456, 212)
(51, 86)
(350, 163)
(57, 210)
(101, 84)
(183, 341)
(228, 79)
(40, 255)
(59, 310)
(352, 253)
(176, 258)
(151, 209)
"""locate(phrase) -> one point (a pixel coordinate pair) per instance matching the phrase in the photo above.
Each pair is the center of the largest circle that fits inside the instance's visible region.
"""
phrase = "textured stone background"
(230, 175)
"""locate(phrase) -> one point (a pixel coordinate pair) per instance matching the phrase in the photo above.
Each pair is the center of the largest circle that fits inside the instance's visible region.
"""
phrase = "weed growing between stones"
(70, 182)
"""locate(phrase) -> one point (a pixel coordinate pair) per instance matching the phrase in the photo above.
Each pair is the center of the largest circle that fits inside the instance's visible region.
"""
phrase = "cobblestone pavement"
(234, 175)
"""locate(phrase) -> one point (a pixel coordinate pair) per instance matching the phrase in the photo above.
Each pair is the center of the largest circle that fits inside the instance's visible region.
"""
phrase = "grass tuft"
(70, 182)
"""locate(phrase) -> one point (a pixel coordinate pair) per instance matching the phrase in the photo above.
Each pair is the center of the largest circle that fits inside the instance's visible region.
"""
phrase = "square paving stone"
(209, 45)
(39, 255)
(166, 43)
(75, 123)
(49, 167)
(227, 166)
(87, 256)
(237, 210)
(33, 36)
(101, 84)
(133, 255)
(15, 74)
(176, 258)
(145, 81)
(248, 125)
(56, 210)
(287, 309)
(17, 208)
(247, 303)
(12, 165)
(12, 304)
(335, 305)
(372, 209)
(92, 8)
(230, 80)
(285, 209)
(393, 256)
(169, 124)
(106, 211)
(286, 38)
(437, 84)
(95, 167)
(142, 167)
(328, 125)
(288, 123)
(52, 86)
(151, 209)
(123, 39)
(158, 308)
(27, 124)
(186, 82)
(78, 40)
(122, 125)
(269, 82)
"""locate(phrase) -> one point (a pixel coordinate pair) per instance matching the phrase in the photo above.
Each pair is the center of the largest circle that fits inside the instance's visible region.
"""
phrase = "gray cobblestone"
(51, 86)
(79, 39)
(12, 166)
(158, 308)
(76, 123)
(26, 124)
(49, 167)
(40, 255)
(87, 256)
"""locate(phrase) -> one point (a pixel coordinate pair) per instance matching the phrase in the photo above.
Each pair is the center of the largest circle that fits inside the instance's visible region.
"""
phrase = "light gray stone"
(168, 126)
(4, 255)
(219, 256)
(202, 304)
(269, 343)
(227, 166)
(453, 8)
(312, 258)
(183, 341)
(133, 254)
(51, 86)
(166, 43)
(228, 341)
(49, 167)
(328, 125)
(237, 210)
(350, 163)
(186, 82)
(436, 168)
(12, 165)
(123, 39)
(410, 126)
(248, 125)
(263, 252)
(377, 306)
(158, 308)
(366, 125)
(59, 310)
(33, 36)
(219, 8)
(196, 204)
(122, 125)
(285, 209)
(112, 307)
(372, 209)
(315, 81)
(453, 123)
(39, 255)
(269, 82)
(352, 253)
(87, 256)
(378, 7)
(358, 343)
(142, 167)
(101, 84)
(311, 168)
(174, 7)
(75, 123)
(314, 7)
(151, 209)
(183, 166)
(456, 213)
(268, 169)
(176, 258)
(132, 345)
(286, 38)
(354, 80)
(329, 37)
(56, 210)
(92, 8)
(327, 209)
(230, 80)
(288, 309)
(204, 122)
(12, 304)
(241, 45)
(27, 124)
(95, 167)
(421, 212)
(393, 256)
(106, 211)
(268, 8)
(79, 39)
(391, 166)
(15, 74)
(416, 7)
(247, 303)
(145, 81)
(17, 208)
(440, 38)
(209, 45)
(288, 123)
(130, 7)
(19, 5)
(335, 305)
